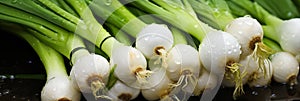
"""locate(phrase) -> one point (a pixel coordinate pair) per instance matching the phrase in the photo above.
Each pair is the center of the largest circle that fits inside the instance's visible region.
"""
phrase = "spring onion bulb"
(249, 34)
(219, 54)
(285, 32)
(131, 66)
(298, 58)
(183, 68)
(288, 34)
(206, 81)
(258, 78)
(183, 59)
(154, 40)
(122, 92)
(90, 74)
(286, 68)
(58, 86)
(160, 90)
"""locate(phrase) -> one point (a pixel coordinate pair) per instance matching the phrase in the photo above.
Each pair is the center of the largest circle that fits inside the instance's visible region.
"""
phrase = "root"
(292, 80)
(234, 69)
(170, 98)
(182, 85)
(99, 90)
(162, 58)
(143, 75)
(260, 55)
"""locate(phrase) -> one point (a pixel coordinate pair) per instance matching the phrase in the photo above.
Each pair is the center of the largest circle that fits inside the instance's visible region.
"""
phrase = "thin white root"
(182, 85)
(143, 75)
(234, 69)
(162, 58)
(99, 90)
(260, 55)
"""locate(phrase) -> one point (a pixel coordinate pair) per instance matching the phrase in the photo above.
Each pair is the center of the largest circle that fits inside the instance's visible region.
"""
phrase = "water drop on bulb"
(229, 52)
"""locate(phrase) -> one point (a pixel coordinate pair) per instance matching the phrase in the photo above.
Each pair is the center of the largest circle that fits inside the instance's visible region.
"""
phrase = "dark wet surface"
(17, 57)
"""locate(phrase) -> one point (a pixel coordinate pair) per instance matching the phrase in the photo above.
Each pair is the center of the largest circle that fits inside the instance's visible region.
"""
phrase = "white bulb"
(206, 81)
(129, 63)
(158, 91)
(59, 88)
(122, 92)
(182, 57)
(285, 67)
(257, 78)
(247, 31)
(217, 49)
(88, 68)
(153, 37)
(289, 35)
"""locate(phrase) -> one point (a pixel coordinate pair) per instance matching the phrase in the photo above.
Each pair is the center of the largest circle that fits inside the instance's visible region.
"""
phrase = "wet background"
(17, 57)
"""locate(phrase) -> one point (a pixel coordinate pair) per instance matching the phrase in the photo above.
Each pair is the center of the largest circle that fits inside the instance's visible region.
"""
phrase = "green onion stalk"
(58, 86)
(283, 9)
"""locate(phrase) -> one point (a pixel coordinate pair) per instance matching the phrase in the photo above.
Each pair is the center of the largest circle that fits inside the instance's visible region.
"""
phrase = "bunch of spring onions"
(161, 49)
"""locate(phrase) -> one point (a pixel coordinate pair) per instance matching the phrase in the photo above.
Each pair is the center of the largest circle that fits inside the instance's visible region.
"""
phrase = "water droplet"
(108, 2)
(240, 32)
(3, 77)
(254, 93)
(273, 96)
(11, 77)
(122, 20)
(289, 14)
(30, 62)
(216, 10)
(227, 43)
(14, 1)
(249, 22)
(5, 92)
(229, 52)
(234, 50)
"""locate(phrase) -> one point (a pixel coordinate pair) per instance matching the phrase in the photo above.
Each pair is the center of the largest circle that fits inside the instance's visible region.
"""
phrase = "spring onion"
(58, 85)
(284, 32)
(285, 68)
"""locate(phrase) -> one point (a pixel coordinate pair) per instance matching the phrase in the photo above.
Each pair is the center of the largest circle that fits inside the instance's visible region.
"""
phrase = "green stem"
(63, 41)
(258, 12)
(284, 9)
(272, 44)
(179, 15)
(216, 13)
(96, 33)
(34, 7)
(52, 60)
(179, 37)
(120, 35)
(66, 7)
(60, 11)
(271, 33)
(115, 13)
